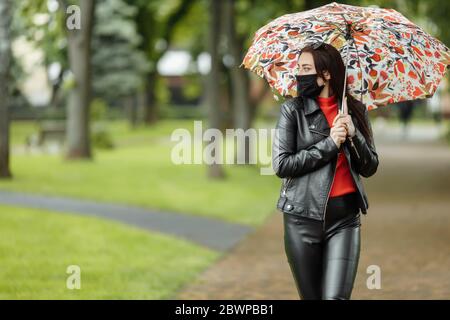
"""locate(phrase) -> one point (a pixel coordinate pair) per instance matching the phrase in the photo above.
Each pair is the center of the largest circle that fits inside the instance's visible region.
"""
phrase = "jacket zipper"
(318, 132)
(328, 196)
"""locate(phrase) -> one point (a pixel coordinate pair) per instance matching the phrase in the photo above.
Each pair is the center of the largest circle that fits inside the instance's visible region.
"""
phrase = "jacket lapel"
(317, 122)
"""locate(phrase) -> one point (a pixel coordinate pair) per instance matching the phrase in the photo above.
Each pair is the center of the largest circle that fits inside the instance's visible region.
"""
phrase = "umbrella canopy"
(388, 58)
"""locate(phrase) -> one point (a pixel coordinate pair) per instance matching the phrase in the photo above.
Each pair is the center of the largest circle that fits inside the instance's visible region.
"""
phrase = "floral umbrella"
(388, 58)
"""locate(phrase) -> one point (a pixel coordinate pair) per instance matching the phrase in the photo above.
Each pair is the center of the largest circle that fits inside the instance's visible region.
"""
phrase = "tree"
(79, 50)
(214, 114)
(156, 28)
(118, 65)
(5, 63)
(241, 108)
(46, 34)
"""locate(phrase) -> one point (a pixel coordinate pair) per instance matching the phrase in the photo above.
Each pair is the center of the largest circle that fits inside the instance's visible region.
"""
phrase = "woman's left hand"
(346, 120)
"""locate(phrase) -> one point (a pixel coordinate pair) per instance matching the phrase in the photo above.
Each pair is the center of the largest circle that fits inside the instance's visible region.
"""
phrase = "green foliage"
(439, 12)
(193, 86)
(167, 111)
(118, 64)
(161, 91)
(98, 109)
(101, 137)
(190, 32)
(44, 28)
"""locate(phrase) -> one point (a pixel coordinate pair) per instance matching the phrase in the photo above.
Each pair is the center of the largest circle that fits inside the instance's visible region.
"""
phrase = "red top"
(343, 182)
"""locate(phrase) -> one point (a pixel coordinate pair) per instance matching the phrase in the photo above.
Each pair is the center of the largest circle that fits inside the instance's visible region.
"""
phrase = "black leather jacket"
(305, 156)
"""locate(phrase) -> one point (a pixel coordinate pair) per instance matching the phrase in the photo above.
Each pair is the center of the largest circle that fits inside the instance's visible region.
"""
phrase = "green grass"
(140, 172)
(20, 130)
(116, 261)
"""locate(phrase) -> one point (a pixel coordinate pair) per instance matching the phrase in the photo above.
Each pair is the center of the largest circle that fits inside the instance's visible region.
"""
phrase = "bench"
(51, 130)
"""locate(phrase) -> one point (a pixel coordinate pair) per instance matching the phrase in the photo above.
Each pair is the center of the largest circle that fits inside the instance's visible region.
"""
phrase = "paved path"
(406, 233)
(213, 233)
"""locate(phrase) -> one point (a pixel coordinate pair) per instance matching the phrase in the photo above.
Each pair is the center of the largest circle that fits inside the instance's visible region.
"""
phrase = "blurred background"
(86, 176)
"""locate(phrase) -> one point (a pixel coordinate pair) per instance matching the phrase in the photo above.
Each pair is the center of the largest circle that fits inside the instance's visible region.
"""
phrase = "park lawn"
(116, 261)
(21, 130)
(140, 172)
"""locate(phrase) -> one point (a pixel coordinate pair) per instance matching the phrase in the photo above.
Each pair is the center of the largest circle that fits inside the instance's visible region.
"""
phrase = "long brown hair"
(327, 58)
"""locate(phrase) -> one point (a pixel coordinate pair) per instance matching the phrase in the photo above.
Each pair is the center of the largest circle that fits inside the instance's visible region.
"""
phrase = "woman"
(322, 194)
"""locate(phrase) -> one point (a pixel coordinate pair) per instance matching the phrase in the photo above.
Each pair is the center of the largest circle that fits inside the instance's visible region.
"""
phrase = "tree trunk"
(150, 114)
(215, 112)
(147, 24)
(240, 101)
(5, 64)
(79, 48)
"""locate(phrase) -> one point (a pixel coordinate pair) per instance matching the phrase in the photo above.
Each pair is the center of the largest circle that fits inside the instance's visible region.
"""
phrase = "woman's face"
(306, 66)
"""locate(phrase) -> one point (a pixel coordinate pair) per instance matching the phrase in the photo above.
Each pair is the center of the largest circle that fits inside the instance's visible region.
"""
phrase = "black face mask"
(307, 86)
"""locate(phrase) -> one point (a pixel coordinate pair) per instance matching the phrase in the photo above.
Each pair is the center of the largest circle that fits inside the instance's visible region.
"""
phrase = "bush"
(101, 137)
(98, 109)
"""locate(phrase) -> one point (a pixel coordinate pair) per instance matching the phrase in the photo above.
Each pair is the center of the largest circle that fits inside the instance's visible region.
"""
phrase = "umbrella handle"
(341, 107)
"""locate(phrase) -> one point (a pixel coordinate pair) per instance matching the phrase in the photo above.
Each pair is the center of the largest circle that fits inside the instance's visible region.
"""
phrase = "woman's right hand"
(338, 133)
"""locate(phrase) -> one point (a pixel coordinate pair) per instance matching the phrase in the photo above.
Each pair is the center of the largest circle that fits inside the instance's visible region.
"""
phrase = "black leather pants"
(324, 258)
